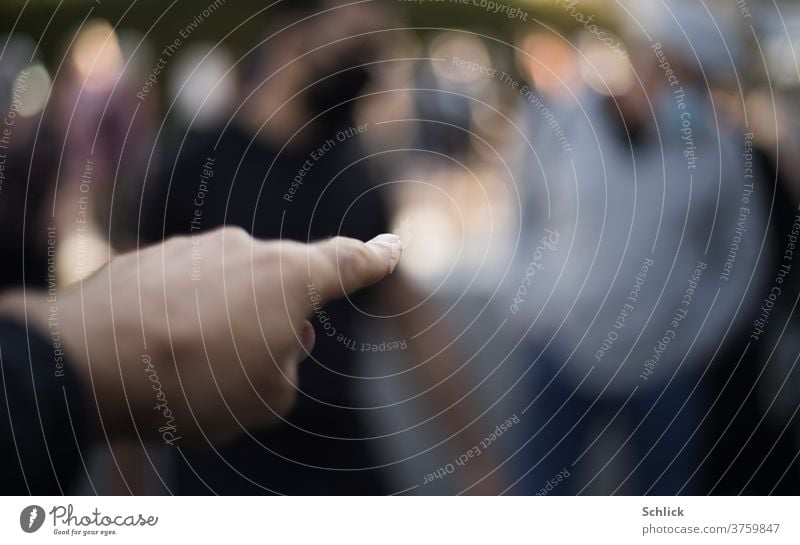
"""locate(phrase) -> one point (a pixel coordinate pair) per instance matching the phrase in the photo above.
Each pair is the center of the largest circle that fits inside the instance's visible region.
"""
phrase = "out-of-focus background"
(481, 126)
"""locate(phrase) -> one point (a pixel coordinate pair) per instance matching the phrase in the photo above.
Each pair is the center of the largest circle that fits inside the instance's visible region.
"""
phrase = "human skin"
(204, 333)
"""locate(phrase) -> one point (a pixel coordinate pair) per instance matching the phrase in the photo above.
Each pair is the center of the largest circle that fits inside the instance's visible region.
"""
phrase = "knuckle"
(235, 236)
(173, 245)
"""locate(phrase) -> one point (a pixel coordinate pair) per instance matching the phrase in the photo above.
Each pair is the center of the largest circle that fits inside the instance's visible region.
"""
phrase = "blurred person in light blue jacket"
(643, 234)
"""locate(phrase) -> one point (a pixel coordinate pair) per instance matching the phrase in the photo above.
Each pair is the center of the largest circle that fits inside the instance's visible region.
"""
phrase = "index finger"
(341, 266)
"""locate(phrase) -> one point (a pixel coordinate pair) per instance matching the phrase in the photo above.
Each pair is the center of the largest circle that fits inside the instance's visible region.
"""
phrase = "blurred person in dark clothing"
(756, 418)
(290, 166)
(26, 172)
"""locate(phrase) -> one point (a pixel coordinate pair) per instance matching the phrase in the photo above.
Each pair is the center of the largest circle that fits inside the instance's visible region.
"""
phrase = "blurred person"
(94, 360)
(441, 99)
(106, 135)
(630, 233)
(58, 197)
(756, 452)
(290, 166)
(26, 171)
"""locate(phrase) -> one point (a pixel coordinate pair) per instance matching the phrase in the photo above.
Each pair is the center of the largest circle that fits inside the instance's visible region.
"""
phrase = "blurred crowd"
(597, 293)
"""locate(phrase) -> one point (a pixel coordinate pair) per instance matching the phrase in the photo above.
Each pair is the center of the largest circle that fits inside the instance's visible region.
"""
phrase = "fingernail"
(394, 244)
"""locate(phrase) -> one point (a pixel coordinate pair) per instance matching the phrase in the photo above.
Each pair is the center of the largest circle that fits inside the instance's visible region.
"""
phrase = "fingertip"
(341, 265)
(391, 243)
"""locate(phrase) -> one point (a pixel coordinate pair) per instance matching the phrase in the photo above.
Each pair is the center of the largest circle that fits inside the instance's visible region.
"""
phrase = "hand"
(201, 337)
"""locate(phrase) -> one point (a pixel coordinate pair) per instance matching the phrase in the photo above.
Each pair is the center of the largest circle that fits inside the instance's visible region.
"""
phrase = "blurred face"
(649, 85)
(325, 58)
(341, 44)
